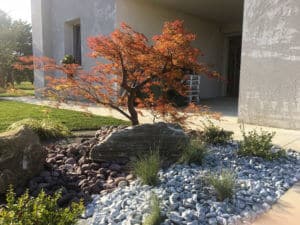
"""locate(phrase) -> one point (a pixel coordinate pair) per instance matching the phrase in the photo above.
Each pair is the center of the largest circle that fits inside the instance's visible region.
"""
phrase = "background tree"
(15, 41)
(132, 73)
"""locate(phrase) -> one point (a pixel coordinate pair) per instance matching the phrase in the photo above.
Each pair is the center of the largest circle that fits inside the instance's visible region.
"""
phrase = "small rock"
(85, 167)
(212, 221)
(122, 183)
(70, 161)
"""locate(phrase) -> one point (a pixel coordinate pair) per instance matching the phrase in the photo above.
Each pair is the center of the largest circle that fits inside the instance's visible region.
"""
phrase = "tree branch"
(124, 83)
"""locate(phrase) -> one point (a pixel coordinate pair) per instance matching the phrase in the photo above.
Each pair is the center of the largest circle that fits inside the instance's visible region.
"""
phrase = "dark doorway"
(234, 64)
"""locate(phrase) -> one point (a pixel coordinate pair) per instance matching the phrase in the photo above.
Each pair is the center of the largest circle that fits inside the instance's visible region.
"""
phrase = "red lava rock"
(73, 149)
(83, 182)
(118, 179)
(95, 166)
(85, 167)
(110, 186)
(81, 160)
(68, 167)
(110, 181)
(113, 174)
(100, 176)
(59, 156)
(82, 177)
(70, 161)
(51, 160)
(123, 183)
(102, 171)
(103, 192)
(130, 177)
(78, 170)
(51, 155)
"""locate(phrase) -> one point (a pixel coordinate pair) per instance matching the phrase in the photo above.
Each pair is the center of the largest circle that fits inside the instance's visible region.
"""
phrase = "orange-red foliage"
(129, 66)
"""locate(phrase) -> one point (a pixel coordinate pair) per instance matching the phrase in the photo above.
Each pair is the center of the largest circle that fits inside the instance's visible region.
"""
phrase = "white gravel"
(186, 199)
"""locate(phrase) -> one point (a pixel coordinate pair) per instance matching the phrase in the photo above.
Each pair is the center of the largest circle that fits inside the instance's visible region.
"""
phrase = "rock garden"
(151, 174)
(146, 174)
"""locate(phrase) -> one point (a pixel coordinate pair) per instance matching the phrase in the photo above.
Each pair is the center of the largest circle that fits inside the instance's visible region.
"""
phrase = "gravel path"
(186, 199)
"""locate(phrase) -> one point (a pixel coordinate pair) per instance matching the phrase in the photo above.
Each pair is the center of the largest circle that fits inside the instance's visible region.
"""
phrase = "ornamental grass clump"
(193, 153)
(155, 217)
(42, 210)
(147, 167)
(259, 145)
(45, 129)
(213, 134)
(223, 183)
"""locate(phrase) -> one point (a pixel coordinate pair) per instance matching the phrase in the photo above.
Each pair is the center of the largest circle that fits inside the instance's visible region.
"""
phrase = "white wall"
(270, 70)
(50, 27)
(40, 38)
(148, 18)
(51, 32)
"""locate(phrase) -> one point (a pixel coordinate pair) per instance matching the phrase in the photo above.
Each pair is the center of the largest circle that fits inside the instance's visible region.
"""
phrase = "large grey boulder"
(21, 157)
(169, 139)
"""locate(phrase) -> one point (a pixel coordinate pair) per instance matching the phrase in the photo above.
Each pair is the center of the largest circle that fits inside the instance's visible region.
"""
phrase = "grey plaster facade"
(270, 70)
(269, 80)
(52, 22)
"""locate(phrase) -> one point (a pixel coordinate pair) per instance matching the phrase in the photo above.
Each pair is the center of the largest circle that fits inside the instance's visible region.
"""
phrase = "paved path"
(285, 138)
(285, 212)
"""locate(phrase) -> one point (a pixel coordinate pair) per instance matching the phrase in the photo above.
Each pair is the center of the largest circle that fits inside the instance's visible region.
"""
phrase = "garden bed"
(68, 168)
(186, 197)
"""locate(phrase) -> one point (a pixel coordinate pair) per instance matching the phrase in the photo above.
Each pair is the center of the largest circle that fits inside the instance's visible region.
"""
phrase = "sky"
(17, 9)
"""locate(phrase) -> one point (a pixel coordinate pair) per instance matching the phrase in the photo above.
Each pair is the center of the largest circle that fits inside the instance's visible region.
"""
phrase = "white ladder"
(193, 93)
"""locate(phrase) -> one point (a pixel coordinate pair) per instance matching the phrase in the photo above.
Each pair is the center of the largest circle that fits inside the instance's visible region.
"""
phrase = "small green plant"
(213, 134)
(147, 167)
(45, 128)
(224, 184)
(68, 59)
(193, 153)
(259, 145)
(42, 210)
(155, 217)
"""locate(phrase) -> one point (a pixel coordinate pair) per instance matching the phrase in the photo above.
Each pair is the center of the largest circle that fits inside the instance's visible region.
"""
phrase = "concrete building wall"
(53, 21)
(270, 71)
(52, 27)
(40, 37)
(148, 18)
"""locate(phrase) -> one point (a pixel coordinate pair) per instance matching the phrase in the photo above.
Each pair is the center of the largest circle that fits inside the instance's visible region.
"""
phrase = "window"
(77, 43)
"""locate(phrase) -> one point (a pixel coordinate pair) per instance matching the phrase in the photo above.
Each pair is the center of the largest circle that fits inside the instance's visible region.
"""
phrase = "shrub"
(223, 183)
(42, 210)
(155, 217)
(68, 59)
(193, 153)
(43, 128)
(25, 85)
(259, 145)
(147, 167)
(213, 134)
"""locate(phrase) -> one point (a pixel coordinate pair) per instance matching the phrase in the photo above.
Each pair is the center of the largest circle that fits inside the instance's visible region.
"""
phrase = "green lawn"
(11, 111)
(22, 89)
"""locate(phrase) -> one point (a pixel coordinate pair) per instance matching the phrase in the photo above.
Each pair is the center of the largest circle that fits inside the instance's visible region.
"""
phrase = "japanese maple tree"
(131, 73)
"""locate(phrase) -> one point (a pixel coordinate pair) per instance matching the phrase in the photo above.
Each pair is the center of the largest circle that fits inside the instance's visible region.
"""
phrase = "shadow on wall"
(225, 105)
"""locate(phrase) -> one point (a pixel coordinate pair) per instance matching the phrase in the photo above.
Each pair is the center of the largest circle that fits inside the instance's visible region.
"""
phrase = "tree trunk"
(11, 79)
(2, 79)
(130, 104)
